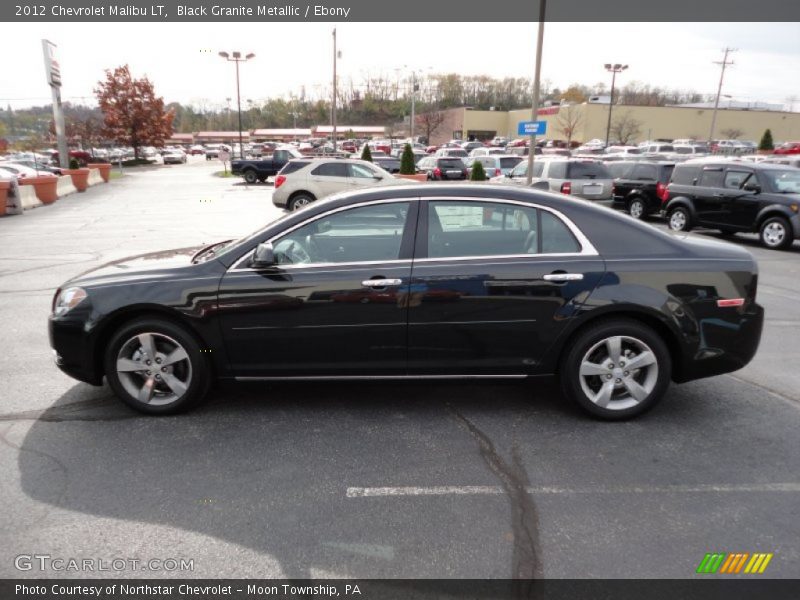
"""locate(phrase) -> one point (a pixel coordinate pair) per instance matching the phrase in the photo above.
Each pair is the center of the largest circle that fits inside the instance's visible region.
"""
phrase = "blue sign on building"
(532, 128)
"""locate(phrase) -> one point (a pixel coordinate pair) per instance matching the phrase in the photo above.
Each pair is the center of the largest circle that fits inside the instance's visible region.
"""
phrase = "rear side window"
(645, 173)
(620, 170)
(711, 178)
(588, 170)
(509, 162)
(331, 169)
(557, 170)
(666, 173)
(685, 175)
(556, 237)
(293, 166)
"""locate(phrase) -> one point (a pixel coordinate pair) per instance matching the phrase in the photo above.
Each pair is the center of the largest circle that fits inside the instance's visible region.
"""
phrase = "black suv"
(442, 167)
(736, 197)
(640, 186)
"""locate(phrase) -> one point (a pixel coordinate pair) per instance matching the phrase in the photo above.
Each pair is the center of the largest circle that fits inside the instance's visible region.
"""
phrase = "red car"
(788, 148)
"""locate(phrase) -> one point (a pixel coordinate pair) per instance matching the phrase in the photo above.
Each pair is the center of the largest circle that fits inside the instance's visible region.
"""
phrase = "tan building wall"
(655, 122)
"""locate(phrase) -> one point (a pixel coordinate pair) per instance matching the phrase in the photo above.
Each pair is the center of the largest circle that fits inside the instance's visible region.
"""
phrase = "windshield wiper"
(210, 250)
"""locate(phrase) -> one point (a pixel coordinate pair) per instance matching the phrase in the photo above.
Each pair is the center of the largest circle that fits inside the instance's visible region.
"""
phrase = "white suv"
(301, 181)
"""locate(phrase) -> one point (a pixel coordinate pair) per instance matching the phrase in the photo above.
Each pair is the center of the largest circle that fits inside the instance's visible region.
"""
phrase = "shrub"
(73, 163)
(766, 141)
(478, 172)
(366, 153)
(407, 165)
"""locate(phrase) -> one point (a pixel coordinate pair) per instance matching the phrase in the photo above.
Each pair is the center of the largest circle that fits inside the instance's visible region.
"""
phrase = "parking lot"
(385, 479)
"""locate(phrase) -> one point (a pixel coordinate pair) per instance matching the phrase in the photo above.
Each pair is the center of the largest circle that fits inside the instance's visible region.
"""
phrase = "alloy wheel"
(154, 368)
(774, 234)
(618, 372)
(677, 220)
(636, 209)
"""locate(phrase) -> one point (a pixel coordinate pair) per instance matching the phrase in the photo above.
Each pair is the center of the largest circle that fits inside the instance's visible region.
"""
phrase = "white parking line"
(489, 490)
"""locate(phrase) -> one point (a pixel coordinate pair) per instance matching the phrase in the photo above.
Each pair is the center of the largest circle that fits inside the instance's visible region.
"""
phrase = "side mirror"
(264, 256)
(752, 186)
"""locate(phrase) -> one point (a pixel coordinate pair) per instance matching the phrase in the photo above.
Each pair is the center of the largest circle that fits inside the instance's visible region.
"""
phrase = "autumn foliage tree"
(132, 113)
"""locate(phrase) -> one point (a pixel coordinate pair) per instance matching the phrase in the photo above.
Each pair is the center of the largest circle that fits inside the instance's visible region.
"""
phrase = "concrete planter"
(104, 168)
(46, 188)
(417, 177)
(80, 178)
(4, 187)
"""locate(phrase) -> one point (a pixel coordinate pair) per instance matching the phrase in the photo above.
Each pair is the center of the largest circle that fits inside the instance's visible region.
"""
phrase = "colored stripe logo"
(734, 563)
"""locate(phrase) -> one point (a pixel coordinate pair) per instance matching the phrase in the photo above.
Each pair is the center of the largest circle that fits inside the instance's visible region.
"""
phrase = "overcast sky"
(181, 58)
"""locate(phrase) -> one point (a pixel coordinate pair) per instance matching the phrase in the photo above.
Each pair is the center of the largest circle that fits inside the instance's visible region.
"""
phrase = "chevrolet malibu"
(425, 282)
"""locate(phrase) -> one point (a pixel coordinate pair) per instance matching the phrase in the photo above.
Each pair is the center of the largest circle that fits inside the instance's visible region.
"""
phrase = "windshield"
(784, 181)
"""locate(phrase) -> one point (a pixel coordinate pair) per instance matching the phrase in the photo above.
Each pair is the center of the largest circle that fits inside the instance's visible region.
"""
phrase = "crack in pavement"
(526, 556)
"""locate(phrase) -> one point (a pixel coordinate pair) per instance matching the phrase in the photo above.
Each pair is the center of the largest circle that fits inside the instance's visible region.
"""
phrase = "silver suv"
(301, 181)
(585, 178)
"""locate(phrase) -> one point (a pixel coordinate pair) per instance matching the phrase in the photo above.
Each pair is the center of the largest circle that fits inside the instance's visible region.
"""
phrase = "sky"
(181, 58)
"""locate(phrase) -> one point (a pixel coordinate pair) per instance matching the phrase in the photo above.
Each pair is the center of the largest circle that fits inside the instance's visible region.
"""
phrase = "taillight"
(566, 187)
(437, 172)
(730, 302)
(497, 172)
(279, 180)
(661, 191)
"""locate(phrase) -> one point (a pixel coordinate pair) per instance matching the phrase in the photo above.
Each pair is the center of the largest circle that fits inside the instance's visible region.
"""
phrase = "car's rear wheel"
(250, 176)
(776, 233)
(300, 201)
(637, 208)
(679, 219)
(616, 369)
(156, 367)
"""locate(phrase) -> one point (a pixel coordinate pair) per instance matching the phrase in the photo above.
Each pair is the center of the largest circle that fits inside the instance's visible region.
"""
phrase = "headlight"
(67, 299)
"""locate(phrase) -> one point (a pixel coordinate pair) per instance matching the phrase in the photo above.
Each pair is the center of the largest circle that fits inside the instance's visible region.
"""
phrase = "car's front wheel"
(776, 233)
(637, 208)
(616, 369)
(300, 201)
(156, 367)
(679, 219)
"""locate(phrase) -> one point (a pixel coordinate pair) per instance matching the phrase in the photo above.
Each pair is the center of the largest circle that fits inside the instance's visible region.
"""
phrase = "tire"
(776, 233)
(679, 219)
(637, 208)
(262, 179)
(619, 393)
(300, 201)
(250, 176)
(181, 384)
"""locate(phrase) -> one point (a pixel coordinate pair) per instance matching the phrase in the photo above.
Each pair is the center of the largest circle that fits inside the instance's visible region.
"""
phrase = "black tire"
(679, 219)
(262, 179)
(193, 370)
(637, 208)
(250, 176)
(776, 233)
(299, 201)
(621, 404)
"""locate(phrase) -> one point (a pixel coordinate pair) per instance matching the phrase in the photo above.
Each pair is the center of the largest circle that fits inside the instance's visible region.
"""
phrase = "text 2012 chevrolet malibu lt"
(423, 281)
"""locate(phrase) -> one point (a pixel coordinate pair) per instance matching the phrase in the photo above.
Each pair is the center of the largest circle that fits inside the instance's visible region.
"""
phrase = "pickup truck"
(260, 170)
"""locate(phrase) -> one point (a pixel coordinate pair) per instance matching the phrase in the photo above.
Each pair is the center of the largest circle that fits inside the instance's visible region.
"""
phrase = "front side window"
(484, 229)
(734, 180)
(366, 233)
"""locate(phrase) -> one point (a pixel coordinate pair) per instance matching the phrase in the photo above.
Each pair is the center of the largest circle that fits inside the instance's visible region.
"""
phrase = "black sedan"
(428, 281)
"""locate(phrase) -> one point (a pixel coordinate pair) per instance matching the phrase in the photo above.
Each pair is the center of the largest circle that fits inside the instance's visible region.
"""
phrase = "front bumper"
(72, 350)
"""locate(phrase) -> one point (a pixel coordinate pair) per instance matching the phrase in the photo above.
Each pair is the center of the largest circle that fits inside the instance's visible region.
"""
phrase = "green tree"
(766, 141)
(366, 153)
(407, 165)
(478, 172)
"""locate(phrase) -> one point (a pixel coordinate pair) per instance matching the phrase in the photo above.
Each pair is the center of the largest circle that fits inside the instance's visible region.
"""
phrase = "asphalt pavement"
(367, 480)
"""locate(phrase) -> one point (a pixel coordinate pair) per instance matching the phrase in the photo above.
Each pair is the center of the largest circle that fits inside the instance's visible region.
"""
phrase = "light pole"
(414, 88)
(613, 69)
(333, 105)
(237, 58)
(536, 82)
(724, 64)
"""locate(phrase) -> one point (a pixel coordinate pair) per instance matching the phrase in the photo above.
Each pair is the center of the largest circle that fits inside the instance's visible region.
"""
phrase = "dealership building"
(589, 121)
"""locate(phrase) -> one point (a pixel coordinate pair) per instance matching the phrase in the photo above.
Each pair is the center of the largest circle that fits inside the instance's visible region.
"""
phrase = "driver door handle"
(563, 277)
(380, 283)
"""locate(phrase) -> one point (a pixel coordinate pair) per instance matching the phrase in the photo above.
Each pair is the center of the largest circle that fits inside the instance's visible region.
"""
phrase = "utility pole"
(413, 103)
(536, 79)
(724, 64)
(333, 112)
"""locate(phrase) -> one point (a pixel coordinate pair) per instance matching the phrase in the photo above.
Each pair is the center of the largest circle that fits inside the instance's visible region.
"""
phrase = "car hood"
(151, 266)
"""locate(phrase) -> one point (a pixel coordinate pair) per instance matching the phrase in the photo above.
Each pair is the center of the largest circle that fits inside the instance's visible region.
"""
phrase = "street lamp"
(237, 58)
(613, 69)
(414, 88)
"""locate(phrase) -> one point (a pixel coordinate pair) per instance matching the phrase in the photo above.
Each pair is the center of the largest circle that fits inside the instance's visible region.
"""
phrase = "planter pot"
(46, 188)
(80, 178)
(766, 151)
(104, 168)
(4, 187)
(417, 177)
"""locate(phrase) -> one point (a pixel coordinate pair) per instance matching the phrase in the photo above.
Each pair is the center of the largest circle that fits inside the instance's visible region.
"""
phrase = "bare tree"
(430, 122)
(568, 121)
(625, 128)
(732, 133)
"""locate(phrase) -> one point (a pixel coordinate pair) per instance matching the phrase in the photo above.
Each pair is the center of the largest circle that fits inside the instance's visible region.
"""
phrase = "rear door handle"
(563, 277)
(380, 283)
